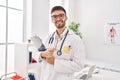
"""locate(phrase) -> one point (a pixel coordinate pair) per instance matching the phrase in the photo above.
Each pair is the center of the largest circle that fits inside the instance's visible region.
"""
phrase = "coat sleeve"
(77, 62)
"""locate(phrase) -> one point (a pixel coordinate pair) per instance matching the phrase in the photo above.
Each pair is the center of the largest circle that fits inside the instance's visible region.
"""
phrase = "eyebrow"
(59, 14)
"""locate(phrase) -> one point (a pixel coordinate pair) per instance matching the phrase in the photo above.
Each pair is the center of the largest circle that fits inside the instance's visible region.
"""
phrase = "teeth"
(58, 22)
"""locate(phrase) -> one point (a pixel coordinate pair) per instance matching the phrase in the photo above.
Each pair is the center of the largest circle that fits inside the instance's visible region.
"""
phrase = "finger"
(51, 49)
(49, 55)
(50, 59)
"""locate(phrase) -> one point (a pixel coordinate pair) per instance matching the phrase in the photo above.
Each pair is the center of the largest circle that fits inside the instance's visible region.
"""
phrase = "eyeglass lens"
(61, 16)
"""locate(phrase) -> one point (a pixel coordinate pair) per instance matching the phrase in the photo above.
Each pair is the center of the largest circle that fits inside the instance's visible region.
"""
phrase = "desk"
(105, 75)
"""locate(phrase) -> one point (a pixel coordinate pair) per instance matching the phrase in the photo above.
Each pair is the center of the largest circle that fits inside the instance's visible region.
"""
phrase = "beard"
(60, 24)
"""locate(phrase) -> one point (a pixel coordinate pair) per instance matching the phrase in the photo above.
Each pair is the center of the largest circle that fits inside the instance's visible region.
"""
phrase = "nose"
(58, 18)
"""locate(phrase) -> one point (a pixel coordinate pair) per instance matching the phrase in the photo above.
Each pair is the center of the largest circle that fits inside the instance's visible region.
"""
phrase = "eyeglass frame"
(60, 16)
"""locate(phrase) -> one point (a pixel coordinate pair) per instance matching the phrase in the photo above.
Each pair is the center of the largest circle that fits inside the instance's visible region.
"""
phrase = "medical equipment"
(38, 43)
(51, 38)
(31, 76)
(59, 52)
(86, 73)
(40, 46)
(12, 76)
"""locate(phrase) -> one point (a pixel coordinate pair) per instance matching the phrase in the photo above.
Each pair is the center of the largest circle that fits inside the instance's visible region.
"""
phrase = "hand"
(50, 59)
(47, 52)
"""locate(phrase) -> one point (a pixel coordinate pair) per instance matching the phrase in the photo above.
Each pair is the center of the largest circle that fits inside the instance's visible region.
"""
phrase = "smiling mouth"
(59, 22)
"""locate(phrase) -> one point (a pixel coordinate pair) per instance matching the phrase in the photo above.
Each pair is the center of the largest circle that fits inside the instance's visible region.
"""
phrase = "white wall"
(92, 15)
(40, 17)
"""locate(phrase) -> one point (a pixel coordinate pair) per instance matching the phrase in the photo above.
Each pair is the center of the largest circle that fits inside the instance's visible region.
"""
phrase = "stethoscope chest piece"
(59, 53)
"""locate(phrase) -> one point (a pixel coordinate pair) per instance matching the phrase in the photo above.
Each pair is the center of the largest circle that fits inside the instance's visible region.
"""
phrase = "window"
(11, 31)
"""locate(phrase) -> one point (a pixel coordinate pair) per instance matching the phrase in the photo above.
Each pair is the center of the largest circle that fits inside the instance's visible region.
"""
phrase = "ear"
(66, 18)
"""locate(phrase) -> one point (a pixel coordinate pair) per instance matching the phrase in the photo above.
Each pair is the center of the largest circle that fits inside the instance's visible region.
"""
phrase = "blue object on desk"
(31, 76)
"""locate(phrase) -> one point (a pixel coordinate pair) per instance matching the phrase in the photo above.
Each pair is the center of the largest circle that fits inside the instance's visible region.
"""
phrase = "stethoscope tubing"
(59, 52)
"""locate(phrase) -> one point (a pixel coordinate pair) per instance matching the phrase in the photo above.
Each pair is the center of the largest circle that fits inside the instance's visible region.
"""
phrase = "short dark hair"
(57, 8)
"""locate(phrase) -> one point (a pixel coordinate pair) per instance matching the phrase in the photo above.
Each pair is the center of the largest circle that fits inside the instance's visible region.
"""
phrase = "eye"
(54, 16)
(61, 15)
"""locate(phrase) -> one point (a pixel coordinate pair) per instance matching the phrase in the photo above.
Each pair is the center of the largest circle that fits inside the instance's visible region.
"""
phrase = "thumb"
(51, 49)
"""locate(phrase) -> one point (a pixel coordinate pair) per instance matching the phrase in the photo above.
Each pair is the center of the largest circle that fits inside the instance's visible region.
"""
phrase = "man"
(65, 51)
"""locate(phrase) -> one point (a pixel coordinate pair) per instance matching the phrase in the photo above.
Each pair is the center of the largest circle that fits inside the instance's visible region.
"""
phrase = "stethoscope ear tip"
(51, 38)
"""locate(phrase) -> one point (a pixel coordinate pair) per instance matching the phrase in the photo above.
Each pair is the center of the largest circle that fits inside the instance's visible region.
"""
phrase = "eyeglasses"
(61, 16)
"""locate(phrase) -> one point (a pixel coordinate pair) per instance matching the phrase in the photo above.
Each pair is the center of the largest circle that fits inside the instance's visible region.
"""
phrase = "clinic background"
(92, 16)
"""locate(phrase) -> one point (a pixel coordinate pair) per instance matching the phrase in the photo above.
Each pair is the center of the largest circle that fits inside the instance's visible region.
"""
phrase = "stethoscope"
(59, 52)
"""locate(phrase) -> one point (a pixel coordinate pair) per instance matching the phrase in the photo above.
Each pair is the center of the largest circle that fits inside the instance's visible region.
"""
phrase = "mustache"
(58, 21)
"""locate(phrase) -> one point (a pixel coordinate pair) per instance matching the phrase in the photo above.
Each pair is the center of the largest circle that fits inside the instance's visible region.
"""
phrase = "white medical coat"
(71, 60)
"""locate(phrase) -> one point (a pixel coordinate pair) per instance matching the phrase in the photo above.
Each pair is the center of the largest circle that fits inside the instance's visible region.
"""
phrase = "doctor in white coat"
(64, 52)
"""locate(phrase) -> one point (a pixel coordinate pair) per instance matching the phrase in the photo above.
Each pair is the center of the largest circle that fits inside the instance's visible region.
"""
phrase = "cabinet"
(22, 65)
